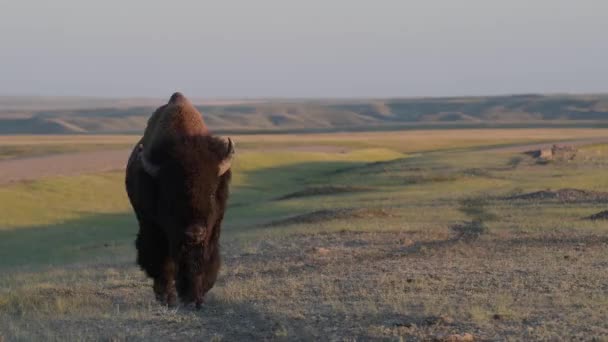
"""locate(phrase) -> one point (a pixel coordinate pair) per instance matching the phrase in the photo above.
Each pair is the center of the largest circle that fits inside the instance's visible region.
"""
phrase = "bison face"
(192, 178)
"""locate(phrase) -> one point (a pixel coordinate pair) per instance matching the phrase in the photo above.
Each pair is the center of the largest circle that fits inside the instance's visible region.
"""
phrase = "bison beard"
(179, 193)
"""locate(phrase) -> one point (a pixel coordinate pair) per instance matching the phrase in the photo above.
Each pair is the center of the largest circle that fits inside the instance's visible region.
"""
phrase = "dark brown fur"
(181, 209)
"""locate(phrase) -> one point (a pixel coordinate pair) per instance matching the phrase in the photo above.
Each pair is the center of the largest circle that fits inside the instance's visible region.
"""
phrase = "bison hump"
(178, 98)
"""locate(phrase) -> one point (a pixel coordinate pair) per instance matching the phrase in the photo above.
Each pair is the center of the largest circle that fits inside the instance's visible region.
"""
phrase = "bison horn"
(150, 168)
(227, 161)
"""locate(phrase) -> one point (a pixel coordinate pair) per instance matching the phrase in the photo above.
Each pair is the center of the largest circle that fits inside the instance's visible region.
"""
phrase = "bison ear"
(227, 160)
(149, 167)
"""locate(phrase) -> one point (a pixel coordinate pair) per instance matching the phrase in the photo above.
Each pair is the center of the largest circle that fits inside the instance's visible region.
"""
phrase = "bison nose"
(195, 234)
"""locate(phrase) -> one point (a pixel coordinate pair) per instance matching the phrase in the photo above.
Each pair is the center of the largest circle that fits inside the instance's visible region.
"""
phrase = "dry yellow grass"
(420, 139)
(337, 286)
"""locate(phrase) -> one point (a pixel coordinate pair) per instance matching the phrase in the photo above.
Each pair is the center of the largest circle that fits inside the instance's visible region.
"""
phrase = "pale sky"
(312, 48)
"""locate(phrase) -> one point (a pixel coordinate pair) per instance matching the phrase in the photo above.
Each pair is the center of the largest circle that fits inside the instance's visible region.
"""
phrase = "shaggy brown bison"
(177, 180)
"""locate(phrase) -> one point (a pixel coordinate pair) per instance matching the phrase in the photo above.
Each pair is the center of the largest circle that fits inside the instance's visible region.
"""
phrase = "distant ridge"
(47, 115)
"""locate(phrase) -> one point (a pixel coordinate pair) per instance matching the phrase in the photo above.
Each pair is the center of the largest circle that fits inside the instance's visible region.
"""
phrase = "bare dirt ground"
(62, 165)
(72, 164)
(433, 286)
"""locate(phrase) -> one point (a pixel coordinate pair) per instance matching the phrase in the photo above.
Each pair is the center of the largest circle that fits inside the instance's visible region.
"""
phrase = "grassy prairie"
(368, 236)
(420, 140)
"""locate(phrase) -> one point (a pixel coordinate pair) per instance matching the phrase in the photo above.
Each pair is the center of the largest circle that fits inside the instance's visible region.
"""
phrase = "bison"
(177, 180)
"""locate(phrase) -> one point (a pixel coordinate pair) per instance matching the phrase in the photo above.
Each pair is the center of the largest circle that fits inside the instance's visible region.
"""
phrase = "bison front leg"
(159, 290)
(196, 275)
(164, 286)
(204, 281)
(164, 283)
(154, 258)
(197, 286)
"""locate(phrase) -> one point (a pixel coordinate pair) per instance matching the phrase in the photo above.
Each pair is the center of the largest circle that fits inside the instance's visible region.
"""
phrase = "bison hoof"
(198, 303)
(171, 301)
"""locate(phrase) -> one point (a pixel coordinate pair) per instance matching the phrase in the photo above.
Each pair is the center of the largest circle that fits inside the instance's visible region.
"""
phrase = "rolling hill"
(43, 115)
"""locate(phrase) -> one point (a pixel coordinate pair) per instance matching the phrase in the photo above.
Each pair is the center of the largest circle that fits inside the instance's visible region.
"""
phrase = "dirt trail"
(69, 164)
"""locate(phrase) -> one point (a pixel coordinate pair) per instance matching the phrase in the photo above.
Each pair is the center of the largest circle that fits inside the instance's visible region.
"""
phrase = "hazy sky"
(312, 48)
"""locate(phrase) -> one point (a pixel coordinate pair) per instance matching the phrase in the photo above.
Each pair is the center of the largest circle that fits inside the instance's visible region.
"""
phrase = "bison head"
(191, 177)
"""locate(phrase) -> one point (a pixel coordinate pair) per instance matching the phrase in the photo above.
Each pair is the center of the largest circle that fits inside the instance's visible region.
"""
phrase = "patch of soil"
(323, 190)
(457, 338)
(420, 321)
(563, 195)
(599, 216)
(556, 152)
(334, 214)
(469, 230)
